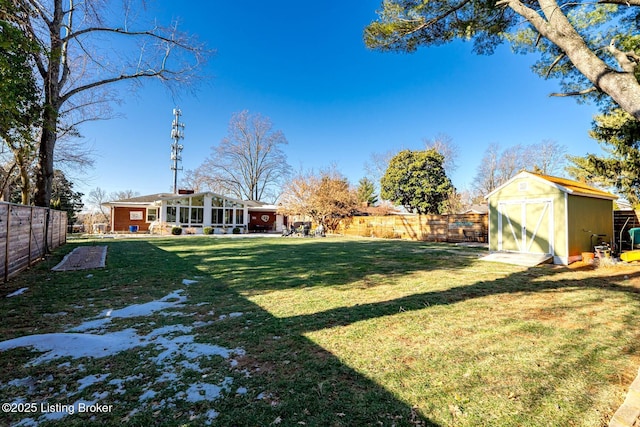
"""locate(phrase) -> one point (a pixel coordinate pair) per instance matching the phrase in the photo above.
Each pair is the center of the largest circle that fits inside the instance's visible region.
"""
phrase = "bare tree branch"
(75, 59)
(553, 65)
(249, 162)
(621, 2)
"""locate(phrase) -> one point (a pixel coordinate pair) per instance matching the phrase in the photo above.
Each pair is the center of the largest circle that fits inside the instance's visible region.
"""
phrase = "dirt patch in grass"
(83, 258)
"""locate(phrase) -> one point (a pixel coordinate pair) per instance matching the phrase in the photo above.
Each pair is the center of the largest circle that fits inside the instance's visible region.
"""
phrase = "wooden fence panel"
(4, 216)
(37, 233)
(439, 228)
(22, 235)
(476, 227)
(18, 241)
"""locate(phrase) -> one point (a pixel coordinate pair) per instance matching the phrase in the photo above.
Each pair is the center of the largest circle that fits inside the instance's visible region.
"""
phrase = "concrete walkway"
(525, 260)
(628, 415)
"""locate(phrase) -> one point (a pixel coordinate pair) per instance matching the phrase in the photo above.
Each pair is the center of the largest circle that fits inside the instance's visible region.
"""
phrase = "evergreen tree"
(417, 181)
(366, 192)
(619, 135)
(63, 197)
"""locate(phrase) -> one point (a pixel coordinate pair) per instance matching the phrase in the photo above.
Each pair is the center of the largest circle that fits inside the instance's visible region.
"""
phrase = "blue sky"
(305, 66)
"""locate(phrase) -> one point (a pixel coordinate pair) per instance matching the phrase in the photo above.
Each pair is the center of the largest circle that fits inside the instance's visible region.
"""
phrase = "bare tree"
(377, 165)
(498, 166)
(444, 145)
(325, 197)
(548, 157)
(78, 65)
(96, 212)
(249, 162)
(487, 176)
(512, 160)
(123, 194)
(199, 180)
(95, 199)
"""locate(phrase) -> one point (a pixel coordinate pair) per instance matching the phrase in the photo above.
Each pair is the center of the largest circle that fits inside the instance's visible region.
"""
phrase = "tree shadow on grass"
(269, 265)
(295, 381)
(515, 283)
(290, 379)
(316, 263)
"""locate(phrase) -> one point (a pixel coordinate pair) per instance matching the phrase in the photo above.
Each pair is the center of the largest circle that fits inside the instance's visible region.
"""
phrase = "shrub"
(207, 230)
(176, 231)
(236, 230)
(389, 234)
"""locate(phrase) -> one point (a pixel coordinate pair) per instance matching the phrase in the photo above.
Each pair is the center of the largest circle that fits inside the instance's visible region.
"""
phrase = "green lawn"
(324, 332)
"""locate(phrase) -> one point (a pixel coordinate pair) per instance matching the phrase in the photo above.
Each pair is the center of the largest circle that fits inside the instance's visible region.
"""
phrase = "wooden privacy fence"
(439, 228)
(22, 235)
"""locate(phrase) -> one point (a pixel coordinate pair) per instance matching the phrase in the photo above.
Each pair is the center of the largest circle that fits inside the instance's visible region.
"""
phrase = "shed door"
(526, 226)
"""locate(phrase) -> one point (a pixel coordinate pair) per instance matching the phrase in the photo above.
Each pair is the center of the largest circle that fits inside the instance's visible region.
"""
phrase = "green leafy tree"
(20, 107)
(619, 135)
(63, 197)
(366, 192)
(417, 181)
(593, 47)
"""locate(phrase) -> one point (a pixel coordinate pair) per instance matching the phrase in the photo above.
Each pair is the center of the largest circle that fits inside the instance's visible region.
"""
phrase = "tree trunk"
(25, 182)
(51, 82)
(44, 169)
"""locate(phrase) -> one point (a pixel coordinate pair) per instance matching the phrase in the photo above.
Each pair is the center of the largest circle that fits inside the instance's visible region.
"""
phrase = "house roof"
(566, 185)
(476, 209)
(151, 198)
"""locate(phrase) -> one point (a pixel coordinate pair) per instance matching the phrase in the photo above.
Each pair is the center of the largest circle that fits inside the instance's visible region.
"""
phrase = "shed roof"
(566, 185)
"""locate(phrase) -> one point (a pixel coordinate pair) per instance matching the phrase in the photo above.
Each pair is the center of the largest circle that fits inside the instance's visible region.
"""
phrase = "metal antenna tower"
(177, 133)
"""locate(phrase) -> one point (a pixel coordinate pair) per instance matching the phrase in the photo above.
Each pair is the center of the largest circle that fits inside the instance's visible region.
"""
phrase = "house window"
(197, 215)
(217, 217)
(197, 201)
(239, 216)
(171, 214)
(228, 216)
(152, 214)
(184, 215)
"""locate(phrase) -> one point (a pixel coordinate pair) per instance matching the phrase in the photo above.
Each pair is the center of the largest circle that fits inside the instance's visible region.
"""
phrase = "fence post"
(45, 231)
(30, 233)
(6, 254)
(62, 229)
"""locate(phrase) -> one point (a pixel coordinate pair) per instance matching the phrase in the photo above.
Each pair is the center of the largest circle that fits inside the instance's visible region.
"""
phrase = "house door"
(526, 226)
